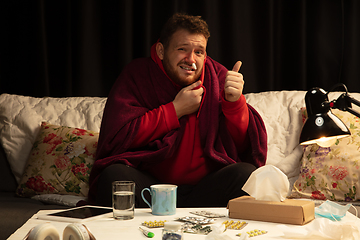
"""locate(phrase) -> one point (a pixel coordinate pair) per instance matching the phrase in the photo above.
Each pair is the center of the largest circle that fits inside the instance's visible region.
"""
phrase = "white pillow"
(58, 199)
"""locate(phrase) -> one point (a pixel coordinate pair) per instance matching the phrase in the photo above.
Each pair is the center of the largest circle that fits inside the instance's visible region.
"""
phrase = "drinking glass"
(123, 199)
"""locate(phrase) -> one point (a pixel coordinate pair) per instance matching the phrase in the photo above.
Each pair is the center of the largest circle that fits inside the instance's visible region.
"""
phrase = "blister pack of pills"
(253, 233)
(195, 228)
(238, 225)
(196, 220)
(208, 214)
(153, 224)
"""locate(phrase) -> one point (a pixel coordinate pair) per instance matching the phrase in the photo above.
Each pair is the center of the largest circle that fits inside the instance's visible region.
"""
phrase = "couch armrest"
(7, 179)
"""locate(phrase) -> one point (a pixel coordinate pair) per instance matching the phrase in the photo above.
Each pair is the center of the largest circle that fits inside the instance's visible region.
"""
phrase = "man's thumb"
(237, 66)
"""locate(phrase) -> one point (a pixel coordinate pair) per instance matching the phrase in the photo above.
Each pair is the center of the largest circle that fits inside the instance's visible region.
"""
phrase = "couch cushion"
(332, 172)
(59, 162)
(21, 117)
(280, 111)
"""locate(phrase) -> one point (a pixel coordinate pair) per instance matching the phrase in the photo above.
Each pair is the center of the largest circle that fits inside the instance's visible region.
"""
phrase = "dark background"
(62, 48)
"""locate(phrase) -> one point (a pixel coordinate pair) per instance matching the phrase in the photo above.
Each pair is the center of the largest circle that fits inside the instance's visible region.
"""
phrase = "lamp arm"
(353, 112)
(344, 104)
(356, 102)
(353, 100)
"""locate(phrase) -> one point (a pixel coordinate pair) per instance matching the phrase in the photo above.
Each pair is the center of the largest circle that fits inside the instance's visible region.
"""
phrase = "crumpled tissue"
(267, 183)
(217, 233)
(323, 228)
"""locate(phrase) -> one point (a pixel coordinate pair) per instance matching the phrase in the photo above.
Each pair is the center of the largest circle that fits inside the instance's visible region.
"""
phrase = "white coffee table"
(108, 228)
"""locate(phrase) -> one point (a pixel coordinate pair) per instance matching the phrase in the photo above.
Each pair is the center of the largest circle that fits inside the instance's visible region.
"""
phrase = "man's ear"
(160, 50)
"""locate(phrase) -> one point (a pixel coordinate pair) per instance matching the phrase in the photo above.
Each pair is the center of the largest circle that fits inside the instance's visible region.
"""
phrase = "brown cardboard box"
(290, 211)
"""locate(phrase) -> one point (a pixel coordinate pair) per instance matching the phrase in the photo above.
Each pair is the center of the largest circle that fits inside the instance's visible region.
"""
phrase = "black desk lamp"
(322, 126)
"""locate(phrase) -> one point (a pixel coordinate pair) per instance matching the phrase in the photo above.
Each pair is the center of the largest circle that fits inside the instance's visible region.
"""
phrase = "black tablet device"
(78, 214)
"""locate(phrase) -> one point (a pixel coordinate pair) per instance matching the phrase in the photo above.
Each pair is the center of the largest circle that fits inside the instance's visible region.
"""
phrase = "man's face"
(184, 49)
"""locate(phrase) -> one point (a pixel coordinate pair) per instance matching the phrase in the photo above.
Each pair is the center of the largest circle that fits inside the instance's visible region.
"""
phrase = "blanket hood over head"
(143, 86)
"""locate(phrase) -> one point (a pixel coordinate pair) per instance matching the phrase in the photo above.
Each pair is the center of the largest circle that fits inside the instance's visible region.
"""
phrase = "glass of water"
(123, 199)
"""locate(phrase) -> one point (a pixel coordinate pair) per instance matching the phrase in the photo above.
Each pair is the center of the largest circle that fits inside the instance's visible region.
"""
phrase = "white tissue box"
(290, 211)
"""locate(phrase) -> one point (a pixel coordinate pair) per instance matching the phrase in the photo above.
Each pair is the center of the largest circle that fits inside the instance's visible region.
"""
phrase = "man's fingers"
(195, 85)
(237, 66)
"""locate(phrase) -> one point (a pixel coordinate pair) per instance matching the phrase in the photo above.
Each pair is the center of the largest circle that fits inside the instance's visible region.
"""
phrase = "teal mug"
(163, 199)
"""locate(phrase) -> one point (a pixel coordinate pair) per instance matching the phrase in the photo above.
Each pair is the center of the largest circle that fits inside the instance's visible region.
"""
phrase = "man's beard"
(174, 76)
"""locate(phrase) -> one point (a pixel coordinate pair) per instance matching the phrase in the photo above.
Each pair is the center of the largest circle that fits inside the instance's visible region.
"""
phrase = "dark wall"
(78, 48)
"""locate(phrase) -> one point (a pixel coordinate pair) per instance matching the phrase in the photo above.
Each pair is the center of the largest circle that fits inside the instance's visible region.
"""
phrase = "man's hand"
(234, 83)
(188, 100)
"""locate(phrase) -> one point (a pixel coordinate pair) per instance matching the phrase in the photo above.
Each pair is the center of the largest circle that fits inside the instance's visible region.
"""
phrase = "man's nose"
(191, 57)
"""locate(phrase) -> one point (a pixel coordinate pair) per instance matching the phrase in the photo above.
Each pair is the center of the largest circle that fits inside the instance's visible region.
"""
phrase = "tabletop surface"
(109, 228)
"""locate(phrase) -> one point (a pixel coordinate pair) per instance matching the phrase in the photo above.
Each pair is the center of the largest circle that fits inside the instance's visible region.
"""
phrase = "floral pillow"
(60, 162)
(332, 173)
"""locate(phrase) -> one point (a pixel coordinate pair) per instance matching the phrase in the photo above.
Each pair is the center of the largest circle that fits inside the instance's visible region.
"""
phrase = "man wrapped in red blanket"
(179, 117)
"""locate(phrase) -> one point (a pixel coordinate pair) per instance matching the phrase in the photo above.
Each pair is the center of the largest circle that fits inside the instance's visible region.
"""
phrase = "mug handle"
(142, 195)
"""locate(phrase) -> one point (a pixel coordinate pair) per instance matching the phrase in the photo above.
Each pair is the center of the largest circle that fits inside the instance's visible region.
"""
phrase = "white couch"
(21, 116)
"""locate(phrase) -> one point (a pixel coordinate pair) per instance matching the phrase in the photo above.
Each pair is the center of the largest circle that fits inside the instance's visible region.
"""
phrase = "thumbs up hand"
(234, 83)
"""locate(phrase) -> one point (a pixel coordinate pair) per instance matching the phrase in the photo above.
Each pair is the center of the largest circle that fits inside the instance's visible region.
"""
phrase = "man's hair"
(193, 24)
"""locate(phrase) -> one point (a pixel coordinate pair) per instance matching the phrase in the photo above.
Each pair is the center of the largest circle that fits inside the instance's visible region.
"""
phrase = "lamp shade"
(321, 126)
